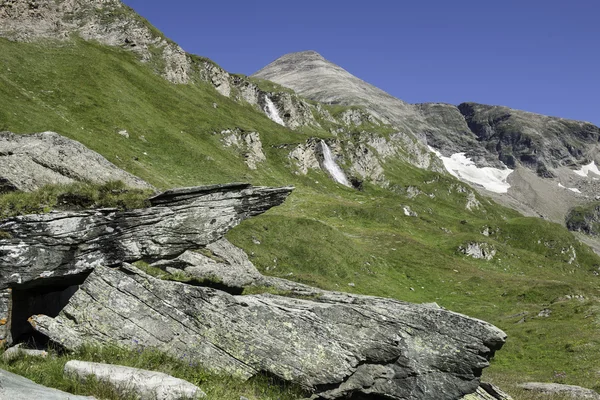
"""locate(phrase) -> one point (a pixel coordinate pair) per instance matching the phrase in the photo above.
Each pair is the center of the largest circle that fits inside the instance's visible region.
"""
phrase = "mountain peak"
(312, 76)
(303, 55)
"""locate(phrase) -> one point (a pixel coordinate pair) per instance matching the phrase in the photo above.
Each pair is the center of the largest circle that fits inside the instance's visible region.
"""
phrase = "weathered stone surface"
(334, 345)
(146, 385)
(51, 254)
(15, 387)
(28, 162)
(576, 392)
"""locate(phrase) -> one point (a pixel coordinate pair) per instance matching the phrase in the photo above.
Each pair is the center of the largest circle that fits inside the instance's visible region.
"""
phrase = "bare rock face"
(28, 162)
(51, 254)
(334, 346)
(13, 386)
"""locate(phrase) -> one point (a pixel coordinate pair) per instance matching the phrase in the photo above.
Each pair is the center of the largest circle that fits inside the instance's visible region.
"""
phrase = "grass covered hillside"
(541, 286)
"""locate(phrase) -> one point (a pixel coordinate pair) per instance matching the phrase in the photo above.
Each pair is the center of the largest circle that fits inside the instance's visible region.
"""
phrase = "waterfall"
(331, 167)
(272, 111)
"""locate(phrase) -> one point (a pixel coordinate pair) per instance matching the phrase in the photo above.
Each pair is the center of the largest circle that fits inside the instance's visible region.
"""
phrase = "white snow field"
(462, 167)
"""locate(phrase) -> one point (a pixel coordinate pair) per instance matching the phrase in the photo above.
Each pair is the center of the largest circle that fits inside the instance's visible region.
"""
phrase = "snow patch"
(332, 168)
(575, 190)
(272, 111)
(462, 167)
(586, 169)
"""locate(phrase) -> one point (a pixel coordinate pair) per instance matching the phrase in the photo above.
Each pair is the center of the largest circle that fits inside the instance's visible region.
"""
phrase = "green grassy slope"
(325, 234)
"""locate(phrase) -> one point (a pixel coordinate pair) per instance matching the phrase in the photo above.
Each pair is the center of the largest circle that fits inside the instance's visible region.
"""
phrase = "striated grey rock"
(334, 345)
(15, 387)
(147, 385)
(55, 251)
(575, 392)
(28, 162)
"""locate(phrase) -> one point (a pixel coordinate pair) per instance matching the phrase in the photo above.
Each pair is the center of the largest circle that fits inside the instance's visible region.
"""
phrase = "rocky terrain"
(381, 228)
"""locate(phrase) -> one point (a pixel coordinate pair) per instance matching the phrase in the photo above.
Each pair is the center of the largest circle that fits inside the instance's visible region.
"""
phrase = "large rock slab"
(13, 387)
(334, 345)
(147, 385)
(47, 256)
(29, 162)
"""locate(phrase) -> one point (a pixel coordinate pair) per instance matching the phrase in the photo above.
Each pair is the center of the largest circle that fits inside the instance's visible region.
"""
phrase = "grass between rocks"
(49, 372)
(76, 196)
(324, 234)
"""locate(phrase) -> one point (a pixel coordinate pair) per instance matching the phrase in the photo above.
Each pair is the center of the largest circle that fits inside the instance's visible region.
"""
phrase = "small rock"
(124, 133)
(148, 385)
(545, 313)
(351, 284)
(576, 392)
(409, 213)
(16, 351)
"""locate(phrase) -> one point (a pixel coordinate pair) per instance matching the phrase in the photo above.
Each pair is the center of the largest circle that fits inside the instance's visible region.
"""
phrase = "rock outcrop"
(48, 255)
(373, 346)
(29, 162)
(67, 276)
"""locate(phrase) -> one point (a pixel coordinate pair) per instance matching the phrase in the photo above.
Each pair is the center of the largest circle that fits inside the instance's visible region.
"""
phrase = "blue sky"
(540, 56)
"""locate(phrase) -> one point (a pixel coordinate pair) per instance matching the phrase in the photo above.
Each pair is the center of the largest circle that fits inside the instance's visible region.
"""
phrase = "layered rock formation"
(51, 254)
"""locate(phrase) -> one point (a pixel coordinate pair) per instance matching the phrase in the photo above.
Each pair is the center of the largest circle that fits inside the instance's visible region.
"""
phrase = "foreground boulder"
(146, 385)
(29, 162)
(14, 387)
(334, 345)
(47, 256)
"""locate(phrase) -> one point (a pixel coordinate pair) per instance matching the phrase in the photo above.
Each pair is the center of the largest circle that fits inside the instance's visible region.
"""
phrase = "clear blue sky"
(540, 56)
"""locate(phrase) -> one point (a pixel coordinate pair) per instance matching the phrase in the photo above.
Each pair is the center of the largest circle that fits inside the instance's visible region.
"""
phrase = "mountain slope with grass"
(413, 234)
